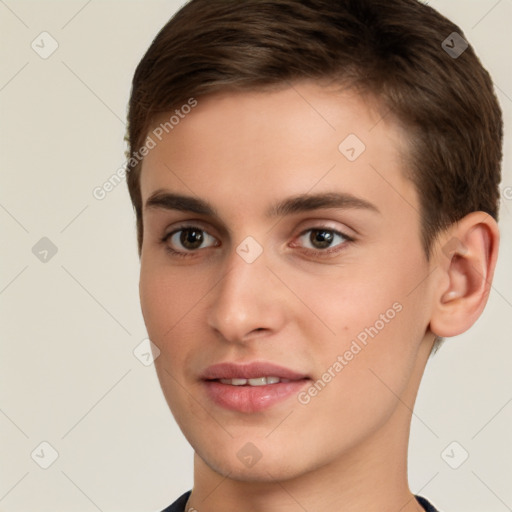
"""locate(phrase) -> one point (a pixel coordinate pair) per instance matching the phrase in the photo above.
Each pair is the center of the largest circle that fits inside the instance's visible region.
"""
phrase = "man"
(316, 190)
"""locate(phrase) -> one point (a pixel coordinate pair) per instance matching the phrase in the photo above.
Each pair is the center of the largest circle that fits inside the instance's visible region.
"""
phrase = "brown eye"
(188, 239)
(191, 238)
(319, 239)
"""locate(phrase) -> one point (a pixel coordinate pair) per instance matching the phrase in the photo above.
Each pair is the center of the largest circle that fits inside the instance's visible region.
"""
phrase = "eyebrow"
(162, 199)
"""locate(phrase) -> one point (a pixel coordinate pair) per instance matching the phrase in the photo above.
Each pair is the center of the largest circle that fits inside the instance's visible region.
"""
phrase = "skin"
(346, 449)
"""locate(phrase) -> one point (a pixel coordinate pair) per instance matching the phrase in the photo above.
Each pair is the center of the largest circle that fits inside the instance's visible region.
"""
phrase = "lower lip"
(252, 398)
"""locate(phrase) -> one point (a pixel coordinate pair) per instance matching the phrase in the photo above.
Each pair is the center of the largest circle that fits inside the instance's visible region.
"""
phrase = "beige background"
(69, 325)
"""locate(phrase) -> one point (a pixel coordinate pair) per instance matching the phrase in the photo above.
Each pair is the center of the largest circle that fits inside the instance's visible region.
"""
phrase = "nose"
(247, 300)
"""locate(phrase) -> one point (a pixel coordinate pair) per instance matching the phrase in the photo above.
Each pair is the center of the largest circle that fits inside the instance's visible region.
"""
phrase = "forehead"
(248, 148)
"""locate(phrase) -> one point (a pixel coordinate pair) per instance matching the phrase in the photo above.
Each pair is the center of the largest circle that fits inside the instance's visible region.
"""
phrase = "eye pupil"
(321, 238)
(191, 238)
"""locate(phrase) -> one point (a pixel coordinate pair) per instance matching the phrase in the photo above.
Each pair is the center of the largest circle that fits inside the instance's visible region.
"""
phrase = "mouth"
(251, 387)
(252, 395)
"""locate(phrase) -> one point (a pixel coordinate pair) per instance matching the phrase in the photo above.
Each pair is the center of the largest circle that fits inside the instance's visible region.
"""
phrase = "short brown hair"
(392, 49)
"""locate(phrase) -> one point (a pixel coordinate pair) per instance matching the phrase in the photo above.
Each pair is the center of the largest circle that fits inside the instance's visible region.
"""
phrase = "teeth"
(238, 382)
(258, 381)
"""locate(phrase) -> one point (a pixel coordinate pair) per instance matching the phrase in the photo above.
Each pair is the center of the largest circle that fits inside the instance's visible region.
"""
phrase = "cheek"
(366, 365)
(157, 304)
(169, 293)
(171, 304)
(373, 316)
(168, 296)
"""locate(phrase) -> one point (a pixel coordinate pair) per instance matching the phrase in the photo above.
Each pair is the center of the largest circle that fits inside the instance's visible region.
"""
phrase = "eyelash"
(314, 252)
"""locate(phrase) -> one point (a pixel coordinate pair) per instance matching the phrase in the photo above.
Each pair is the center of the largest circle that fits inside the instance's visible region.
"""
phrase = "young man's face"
(339, 293)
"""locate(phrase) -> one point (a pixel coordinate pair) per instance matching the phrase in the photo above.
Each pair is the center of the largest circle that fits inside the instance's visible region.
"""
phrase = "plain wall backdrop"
(70, 316)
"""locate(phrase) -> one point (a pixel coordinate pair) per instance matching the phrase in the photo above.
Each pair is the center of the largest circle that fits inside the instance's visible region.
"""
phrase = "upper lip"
(249, 371)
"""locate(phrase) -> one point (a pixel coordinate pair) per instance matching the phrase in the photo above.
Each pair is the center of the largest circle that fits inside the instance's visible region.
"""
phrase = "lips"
(250, 371)
(249, 398)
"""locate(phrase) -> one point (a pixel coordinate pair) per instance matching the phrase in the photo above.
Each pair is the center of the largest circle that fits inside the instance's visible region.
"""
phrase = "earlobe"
(466, 261)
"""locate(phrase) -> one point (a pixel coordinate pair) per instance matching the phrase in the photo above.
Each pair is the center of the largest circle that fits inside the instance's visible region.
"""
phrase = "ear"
(466, 259)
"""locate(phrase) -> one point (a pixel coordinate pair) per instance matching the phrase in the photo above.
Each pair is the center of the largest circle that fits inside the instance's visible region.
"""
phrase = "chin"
(265, 470)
